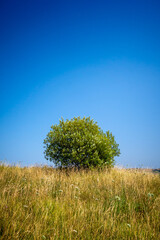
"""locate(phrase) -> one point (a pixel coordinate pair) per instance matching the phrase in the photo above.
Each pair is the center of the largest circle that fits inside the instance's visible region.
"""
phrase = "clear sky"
(80, 58)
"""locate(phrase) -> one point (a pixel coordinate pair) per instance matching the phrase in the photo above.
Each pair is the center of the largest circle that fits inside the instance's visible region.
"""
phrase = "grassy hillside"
(44, 203)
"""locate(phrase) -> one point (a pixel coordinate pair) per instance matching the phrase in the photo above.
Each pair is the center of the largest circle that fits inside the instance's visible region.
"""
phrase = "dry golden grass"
(45, 203)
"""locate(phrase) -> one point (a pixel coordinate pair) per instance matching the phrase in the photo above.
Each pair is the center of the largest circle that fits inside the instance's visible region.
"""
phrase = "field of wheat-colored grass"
(45, 203)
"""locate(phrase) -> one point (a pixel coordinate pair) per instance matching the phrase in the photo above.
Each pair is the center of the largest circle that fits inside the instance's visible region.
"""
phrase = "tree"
(80, 143)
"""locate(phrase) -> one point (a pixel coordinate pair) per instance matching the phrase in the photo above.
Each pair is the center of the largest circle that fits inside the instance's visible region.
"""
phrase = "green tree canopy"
(80, 143)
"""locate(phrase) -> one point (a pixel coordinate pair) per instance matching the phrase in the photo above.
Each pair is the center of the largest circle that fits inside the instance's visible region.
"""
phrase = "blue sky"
(80, 58)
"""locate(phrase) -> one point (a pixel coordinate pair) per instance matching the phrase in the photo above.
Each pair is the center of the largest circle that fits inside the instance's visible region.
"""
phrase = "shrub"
(80, 143)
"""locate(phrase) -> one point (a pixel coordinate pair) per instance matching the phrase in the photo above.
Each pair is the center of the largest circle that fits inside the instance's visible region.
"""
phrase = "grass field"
(45, 203)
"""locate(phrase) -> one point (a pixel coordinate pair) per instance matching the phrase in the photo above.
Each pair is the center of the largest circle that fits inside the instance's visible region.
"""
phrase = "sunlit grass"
(45, 203)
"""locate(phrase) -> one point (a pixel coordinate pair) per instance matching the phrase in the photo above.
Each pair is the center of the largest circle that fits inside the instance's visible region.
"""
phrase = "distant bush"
(80, 143)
